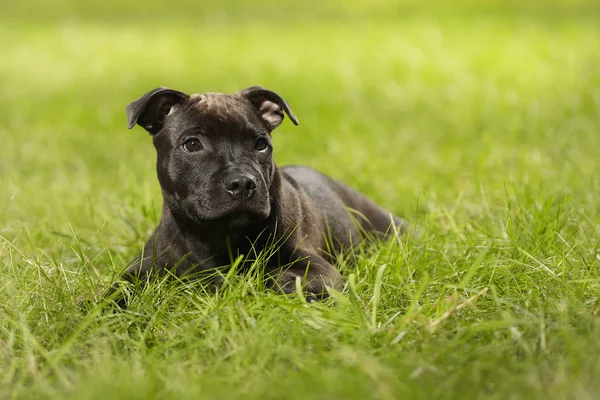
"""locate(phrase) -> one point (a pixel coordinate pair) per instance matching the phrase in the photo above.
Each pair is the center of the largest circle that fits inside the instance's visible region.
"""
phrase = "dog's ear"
(149, 111)
(269, 105)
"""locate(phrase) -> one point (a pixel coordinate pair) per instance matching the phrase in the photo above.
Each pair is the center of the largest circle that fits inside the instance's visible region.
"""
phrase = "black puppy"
(223, 192)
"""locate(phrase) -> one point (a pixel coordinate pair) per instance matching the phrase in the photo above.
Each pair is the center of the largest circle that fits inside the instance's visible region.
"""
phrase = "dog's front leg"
(315, 273)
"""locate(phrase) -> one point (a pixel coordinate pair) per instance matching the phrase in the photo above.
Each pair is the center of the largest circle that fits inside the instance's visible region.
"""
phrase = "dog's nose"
(240, 186)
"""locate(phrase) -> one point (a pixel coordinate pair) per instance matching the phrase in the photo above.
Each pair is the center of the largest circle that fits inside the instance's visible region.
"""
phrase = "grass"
(477, 123)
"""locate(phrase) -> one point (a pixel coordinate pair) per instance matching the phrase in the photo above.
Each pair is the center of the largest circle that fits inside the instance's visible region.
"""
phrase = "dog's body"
(223, 193)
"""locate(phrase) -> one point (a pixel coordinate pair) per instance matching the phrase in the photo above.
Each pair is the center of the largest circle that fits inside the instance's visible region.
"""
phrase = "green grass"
(479, 123)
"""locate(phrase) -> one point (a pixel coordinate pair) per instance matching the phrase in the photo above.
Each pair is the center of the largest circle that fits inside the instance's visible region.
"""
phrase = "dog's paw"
(289, 283)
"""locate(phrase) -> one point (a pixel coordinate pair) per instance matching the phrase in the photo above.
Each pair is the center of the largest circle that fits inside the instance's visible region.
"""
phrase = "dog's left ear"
(269, 105)
(149, 111)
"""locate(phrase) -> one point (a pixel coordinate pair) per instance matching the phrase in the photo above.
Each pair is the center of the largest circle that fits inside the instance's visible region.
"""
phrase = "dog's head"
(215, 155)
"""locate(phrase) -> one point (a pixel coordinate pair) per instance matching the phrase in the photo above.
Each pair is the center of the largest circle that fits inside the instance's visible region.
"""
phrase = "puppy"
(224, 193)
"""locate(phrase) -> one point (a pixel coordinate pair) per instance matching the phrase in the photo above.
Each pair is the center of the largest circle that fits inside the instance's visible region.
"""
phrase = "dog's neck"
(207, 234)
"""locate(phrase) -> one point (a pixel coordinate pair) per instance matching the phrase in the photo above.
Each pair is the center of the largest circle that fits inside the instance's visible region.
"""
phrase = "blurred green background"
(431, 98)
(477, 120)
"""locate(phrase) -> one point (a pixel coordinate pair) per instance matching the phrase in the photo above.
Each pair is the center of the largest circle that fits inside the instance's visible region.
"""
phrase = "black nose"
(240, 186)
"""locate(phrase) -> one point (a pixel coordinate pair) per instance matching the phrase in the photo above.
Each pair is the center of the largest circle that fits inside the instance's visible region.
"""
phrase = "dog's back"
(349, 214)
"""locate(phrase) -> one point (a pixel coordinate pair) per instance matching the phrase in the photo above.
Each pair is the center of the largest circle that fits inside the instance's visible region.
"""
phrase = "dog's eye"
(192, 145)
(261, 144)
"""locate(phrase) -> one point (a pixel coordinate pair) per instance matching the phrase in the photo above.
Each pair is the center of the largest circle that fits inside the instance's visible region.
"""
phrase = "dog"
(223, 193)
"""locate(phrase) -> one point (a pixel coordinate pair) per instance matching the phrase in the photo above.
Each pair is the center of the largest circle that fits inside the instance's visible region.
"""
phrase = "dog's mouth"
(235, 214)
(240, 212)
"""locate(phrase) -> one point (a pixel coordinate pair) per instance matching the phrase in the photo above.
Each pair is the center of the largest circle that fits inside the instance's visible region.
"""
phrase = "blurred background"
(423, 105)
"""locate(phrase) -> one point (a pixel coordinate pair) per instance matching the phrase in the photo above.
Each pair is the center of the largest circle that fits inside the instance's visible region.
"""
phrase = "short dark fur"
(222, 188)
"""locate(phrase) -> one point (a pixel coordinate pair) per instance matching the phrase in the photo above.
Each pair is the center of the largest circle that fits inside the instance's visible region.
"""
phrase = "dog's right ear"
(149, 111)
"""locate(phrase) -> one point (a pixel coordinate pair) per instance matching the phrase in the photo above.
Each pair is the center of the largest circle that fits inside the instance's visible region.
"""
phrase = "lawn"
(479, 123)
